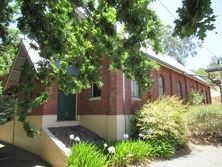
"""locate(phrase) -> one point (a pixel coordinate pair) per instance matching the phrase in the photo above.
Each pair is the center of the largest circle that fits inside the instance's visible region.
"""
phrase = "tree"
(195, 18)
(201, 72)
(178, 48)
(215, 62)
(79, 33)
(8, 37)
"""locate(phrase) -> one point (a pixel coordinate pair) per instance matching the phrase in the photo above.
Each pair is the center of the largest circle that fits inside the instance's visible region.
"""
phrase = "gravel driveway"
(201, 156)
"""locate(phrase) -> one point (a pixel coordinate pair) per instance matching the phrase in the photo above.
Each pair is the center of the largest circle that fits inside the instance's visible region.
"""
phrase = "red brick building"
(107, 111)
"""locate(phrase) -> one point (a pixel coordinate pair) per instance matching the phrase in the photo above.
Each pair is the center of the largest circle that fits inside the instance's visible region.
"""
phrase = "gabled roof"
(33, 54)
(25, 51)
(171, 63)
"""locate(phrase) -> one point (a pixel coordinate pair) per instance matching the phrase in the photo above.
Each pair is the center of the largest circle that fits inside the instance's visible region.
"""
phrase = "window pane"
(96, 91)
(179, 89)
(134, 89)
(161, 86)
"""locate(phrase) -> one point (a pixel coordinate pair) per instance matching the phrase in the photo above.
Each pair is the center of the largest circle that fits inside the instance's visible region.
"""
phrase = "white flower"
(141, 135)
(150, 131)
(125, 136)
(111, 149)
(105, 145)
(77, 139)
(71, 137)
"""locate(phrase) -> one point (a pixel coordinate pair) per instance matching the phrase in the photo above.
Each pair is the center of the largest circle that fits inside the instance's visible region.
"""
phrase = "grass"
(205, 123)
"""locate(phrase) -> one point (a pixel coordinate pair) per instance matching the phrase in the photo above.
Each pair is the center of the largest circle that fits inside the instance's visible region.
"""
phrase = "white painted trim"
(134, 85)
(136, 99)
(95, 98)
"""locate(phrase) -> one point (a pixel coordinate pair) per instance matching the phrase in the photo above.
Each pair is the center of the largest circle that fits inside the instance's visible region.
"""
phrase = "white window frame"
(92, 95)
(134, 90)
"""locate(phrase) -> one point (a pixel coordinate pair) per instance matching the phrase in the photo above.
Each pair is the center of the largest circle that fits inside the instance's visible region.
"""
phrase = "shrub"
(205, 122)
(162, 120)
(130, 151)
(86, 155)
(195, 98)
(8, 105)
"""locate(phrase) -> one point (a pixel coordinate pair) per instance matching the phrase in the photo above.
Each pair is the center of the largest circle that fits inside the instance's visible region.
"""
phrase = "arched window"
(179, 89)
(202, 93)
(161, 85)
(206, 97)
(192, 88)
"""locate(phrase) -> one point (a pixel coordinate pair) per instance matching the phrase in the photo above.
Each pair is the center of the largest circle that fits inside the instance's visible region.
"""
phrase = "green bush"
(8, 106)
(162, 120)
(205, 122)
(195, 98)
(86, 155)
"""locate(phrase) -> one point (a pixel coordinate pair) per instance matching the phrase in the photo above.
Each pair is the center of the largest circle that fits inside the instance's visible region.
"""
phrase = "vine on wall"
(29, 97)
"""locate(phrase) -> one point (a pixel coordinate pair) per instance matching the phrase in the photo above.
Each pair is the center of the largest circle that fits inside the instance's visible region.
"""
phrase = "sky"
(212, 45)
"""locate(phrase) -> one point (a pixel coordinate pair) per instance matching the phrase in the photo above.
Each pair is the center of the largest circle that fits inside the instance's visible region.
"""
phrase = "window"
(192, 88)
(206, 97)
(134, 89)
(96, 91)
(203, 93)
(161, 86)
(179, 89)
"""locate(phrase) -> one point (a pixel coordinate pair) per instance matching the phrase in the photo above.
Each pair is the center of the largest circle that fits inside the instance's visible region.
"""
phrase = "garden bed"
(63, 134)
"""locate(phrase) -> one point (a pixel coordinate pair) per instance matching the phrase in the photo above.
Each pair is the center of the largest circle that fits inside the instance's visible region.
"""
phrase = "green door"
(66, 109)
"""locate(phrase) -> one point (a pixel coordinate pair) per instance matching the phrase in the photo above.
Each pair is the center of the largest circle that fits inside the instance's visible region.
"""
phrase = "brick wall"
(112, 102)
(170, 80)
(50, 107)
(107, 104)
(112, 97)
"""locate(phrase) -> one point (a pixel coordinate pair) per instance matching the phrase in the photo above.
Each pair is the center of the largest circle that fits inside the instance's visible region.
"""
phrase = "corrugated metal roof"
(33, 54)
(173, 64)
(168, 61)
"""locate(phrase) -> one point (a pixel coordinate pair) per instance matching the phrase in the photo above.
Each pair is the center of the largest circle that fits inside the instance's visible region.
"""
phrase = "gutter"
(169, 66)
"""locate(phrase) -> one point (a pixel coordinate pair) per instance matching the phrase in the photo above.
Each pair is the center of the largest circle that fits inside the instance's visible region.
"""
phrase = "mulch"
(206, 140)
(85, 135)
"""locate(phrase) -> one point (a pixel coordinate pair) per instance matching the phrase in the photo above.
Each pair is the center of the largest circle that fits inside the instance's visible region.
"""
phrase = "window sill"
(136, 99)
(94, 98)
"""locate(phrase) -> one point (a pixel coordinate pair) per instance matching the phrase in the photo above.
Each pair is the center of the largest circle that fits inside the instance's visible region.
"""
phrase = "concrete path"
(201, 156)
(12, 156)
